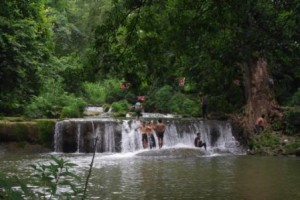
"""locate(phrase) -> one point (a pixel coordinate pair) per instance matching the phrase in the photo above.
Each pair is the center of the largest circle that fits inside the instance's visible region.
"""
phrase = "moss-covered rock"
(34, 132)
(293, 147)
(45, 131)
(17, 131)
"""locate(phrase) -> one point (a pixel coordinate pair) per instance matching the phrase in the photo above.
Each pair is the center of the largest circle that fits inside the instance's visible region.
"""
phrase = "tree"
(212, 43)
(25, 44)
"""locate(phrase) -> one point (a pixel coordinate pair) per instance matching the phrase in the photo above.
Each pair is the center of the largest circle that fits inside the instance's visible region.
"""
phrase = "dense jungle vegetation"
(58, 56)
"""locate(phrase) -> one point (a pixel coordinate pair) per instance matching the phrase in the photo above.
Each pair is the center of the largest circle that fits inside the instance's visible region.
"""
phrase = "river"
(213, 176)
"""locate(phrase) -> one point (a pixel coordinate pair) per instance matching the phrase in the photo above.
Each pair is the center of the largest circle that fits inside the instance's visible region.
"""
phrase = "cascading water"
(78, 135)
(58, 137)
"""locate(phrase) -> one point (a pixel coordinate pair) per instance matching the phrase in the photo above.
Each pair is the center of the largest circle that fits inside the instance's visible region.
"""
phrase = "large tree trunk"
(258, 90)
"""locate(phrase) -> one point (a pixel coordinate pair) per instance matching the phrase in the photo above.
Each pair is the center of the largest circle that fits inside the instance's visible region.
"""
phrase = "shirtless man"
(143, 131)
(149, 131)
(198, 142)
(160, 130)
(260, 124)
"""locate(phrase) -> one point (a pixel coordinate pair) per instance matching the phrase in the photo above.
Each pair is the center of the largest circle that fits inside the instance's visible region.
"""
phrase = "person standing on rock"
(138, 107)
(260, 124)
(160, 130)
(149, 131)
(142, 129)
(198, 142)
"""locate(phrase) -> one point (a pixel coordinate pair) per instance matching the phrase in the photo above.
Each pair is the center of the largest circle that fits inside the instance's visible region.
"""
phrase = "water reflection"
(126, 176)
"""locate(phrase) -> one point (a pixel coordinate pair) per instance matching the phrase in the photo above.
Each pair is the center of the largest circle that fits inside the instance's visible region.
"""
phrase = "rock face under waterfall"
(78, 135)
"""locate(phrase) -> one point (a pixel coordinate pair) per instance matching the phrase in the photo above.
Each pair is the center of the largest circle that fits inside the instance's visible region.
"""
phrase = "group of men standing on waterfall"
(147, 130)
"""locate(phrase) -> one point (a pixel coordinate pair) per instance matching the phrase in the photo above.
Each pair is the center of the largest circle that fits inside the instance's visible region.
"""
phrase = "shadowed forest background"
(58, 56)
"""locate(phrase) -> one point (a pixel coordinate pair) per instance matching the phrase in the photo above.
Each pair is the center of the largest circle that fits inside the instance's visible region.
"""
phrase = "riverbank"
(280, 137)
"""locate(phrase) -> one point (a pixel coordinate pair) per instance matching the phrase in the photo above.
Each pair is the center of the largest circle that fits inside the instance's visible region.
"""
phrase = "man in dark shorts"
(149, 131)
(260, 124)
(160, 130)
(142, 130)
(198, 142)
(138, 107)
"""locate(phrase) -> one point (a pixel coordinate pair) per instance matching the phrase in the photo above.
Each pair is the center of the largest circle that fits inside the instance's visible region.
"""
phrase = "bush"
(94, 93)
(266, 143)
(120, 106)
(49, 178)
(218, 104)
(277, 125)
(45, 132)
(51, 102)
(161, 99)
(107, 91)
(74, 107)
(113, 91)
(292, 121)
(293, 147)
(181, 104)
(295, 99)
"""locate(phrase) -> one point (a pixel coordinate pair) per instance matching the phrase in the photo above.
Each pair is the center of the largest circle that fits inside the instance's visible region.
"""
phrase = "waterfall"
(58, 137)
(109, 137)
(78, 135)
(131, 138)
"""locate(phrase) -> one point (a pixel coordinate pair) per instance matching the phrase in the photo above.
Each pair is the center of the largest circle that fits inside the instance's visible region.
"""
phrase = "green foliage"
(293, 147)
(120, 106)
(292, 120)
(113, 91)
(94, 93)
(266, 142)
(25, 44)
(181, 104)
(277, 125)
(295, 99)
(45, 132)
(149, 44)
(7, 191)
(107, 91)
(48, 178)
(72, 73)
(54, 175)
(219, 104)
(53, 102)
(161, 99)
(73, 107)
(21, 131)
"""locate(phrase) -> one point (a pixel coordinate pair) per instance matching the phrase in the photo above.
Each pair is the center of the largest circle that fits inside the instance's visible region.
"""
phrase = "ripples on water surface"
(128, 176)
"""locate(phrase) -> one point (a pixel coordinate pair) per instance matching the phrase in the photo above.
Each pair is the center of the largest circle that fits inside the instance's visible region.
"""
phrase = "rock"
(174, 152)
(297, 152)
